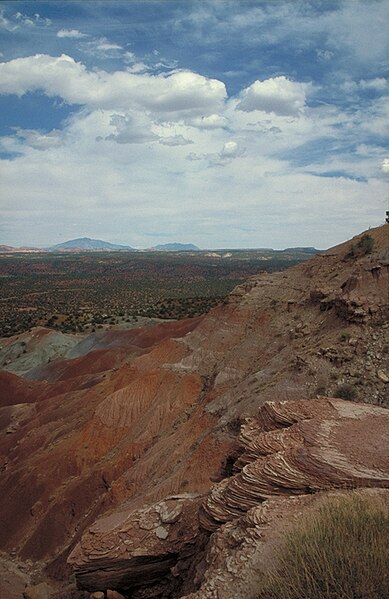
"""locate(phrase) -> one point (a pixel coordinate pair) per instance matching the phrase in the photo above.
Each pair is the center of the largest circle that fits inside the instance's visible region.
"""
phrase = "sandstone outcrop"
(153, 544)
(363, 295)
(292, 448)
(295, 448)
(39, 591)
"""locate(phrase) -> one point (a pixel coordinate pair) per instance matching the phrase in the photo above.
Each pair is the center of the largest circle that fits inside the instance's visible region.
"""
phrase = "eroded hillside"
(139, 425)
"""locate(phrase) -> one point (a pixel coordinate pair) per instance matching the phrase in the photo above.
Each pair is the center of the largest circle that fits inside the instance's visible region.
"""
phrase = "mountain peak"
(86, 243)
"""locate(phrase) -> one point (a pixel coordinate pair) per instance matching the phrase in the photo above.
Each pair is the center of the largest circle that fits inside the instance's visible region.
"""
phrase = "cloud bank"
(256, 125)
(63, 76)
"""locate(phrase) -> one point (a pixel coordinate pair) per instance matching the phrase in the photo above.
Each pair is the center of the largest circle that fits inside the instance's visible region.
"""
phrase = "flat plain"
(77, 292)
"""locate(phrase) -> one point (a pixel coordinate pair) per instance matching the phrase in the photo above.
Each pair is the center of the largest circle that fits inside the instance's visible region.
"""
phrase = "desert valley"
(171, 460)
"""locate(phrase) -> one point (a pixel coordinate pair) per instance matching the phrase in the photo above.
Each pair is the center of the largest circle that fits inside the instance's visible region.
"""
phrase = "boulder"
(131, 548)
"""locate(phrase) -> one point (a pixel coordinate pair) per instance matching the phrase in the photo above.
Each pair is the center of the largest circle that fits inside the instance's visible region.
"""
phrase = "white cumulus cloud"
(5, 23)
(184, 90)
(104, 44)
(228, 153)
(278, 95)
(72, 33)
(138, 67)
(230, 150)
(32, 20)
(324, 54)
(19, 20)
(180, 91)
(101, 48)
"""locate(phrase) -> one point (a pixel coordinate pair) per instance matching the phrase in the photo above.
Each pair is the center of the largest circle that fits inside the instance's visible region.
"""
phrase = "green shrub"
(346, 391)
(364, 246)
(340, 552)
(344, 336)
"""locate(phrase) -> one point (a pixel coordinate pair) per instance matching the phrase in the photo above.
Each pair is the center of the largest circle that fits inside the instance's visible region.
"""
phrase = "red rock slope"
(157, 415)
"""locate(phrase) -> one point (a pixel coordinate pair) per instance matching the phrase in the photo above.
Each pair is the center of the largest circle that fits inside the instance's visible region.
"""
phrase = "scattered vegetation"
(87, 291)
(362, 248)
(341, 552)
(344, 336)
(346, 391)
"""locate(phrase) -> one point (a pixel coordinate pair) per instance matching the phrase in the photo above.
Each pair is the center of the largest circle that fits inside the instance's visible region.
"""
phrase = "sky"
(227, 124)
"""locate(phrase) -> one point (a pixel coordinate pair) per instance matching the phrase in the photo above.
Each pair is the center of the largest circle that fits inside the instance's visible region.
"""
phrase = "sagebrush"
(340, 552)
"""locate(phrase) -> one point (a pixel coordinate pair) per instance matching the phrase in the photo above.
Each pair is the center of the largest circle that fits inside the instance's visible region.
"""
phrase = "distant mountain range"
(85, 243)
(176, 247)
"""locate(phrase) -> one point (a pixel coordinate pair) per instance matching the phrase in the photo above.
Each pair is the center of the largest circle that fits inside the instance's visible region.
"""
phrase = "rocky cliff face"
(111, 455)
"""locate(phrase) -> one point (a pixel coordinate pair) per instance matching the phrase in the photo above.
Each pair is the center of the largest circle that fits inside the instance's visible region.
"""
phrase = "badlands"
(168, 462)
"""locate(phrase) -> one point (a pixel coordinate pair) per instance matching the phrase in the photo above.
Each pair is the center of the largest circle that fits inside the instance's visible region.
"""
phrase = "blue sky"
(221, 123)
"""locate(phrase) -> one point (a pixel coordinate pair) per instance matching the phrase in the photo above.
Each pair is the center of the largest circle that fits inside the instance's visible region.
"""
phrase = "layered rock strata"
(322, 445)
(292, 448)
(152, 545)
(362, 297)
